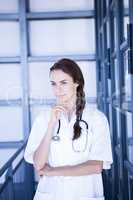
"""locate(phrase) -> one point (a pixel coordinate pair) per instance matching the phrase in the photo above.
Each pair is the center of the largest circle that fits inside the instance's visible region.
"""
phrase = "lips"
(61, 96)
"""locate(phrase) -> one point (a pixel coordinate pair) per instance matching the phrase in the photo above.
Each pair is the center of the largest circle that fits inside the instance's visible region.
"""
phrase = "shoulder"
(94, 114)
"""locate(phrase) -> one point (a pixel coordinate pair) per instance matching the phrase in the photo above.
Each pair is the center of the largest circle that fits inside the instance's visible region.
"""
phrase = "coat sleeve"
(37, 133)
(101, 141)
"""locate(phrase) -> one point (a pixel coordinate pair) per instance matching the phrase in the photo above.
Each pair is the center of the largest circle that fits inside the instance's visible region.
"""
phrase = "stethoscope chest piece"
(56, 138)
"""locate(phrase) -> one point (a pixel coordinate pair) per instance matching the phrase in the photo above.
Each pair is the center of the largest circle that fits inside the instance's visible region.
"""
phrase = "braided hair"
(71, 68)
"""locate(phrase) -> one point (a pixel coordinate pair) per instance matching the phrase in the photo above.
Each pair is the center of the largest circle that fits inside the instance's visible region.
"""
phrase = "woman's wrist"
(51, 125)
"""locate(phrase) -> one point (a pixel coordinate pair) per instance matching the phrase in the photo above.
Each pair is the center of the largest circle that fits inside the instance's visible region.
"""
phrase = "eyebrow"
(59, 81)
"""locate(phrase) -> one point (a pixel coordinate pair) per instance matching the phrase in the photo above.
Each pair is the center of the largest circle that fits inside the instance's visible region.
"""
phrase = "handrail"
(8, 182)
(9, 162)
(9, 188)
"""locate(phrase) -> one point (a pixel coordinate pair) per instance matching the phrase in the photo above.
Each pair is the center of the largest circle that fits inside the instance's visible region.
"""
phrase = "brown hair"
(71, 68)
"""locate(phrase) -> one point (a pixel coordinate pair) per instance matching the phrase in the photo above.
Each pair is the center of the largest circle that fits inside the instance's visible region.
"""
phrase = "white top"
(94, 145)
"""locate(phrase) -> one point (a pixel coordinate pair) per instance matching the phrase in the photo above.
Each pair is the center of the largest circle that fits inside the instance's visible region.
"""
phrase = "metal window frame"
(119, 174)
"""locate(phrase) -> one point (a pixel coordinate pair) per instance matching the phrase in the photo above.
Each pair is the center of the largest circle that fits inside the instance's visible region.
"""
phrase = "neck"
(71, 105)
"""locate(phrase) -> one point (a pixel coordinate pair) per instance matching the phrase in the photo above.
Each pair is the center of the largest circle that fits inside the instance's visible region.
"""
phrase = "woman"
(69, 144)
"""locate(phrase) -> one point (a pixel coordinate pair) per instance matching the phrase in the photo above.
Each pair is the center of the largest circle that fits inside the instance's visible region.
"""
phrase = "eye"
(53, 84)
(64, 82)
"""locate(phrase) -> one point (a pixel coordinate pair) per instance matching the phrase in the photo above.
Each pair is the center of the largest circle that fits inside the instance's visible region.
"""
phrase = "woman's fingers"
(55, 113)
(60, 108)
(44, 170)
(41, 172)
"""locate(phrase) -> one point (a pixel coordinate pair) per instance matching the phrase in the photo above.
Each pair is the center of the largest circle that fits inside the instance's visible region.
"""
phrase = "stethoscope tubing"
(57, 137)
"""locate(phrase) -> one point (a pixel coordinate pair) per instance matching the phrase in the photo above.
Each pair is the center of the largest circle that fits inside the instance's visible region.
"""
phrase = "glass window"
(108, 38)
(10, 81)
(6, 154)
(126, 4)
(127, 78)
(115, 32)
(116, 78)
(8, 6)
(89, 72)
(113, 27)
(126, 17)
(13, 131)
(118, 122)
(126, 21)
(110, 118)
(57, 5)
(129, 136)
(9, 39)
(109, 88)
(62, 37)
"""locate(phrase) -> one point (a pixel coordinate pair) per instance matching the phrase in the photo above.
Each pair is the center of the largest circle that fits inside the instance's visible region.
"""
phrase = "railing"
(18, 180)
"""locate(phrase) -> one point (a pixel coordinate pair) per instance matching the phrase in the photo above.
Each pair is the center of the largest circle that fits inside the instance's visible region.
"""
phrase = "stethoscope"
(56, 137)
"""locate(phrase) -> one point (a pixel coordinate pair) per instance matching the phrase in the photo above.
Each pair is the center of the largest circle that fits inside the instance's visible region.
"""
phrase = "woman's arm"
(41, 154)
(86, 168)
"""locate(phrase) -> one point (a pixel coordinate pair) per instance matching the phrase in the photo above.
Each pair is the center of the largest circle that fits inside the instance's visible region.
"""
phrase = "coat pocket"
(43, 196)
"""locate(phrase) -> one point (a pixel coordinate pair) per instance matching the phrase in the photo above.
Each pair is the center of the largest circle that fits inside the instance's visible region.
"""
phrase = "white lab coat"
(98, 147)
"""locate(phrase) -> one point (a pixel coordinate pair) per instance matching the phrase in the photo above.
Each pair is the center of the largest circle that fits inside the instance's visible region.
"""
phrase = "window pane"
(126, 21)
(118, 128)
(115, 33)
(7, 6)
(108, 39)
(126, 16)
(8, 153)
(10, 81)
(89, 73)
(57, 5)
(39, 81)
(129, 136)
(9, 39)
(13, 130)
(116, 79)
(109, 87)
(126, 3)
(62, 37)
(127, 77)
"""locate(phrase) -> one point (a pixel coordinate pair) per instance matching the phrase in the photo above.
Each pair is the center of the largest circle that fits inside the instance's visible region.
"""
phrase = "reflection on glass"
(126, 17)
(126, 21)
(126, 3)
(108, 43)
(129, 136)
(107, 4)
(115, 32)
(109, 87)
(127, 78)
(116, 79)
(118, 128)
(110, 119)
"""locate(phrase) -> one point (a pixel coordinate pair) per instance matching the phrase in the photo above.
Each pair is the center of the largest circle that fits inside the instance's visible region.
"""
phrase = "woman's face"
(63, 86)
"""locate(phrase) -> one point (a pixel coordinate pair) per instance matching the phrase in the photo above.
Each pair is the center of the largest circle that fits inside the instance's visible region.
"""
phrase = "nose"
(57, 91)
